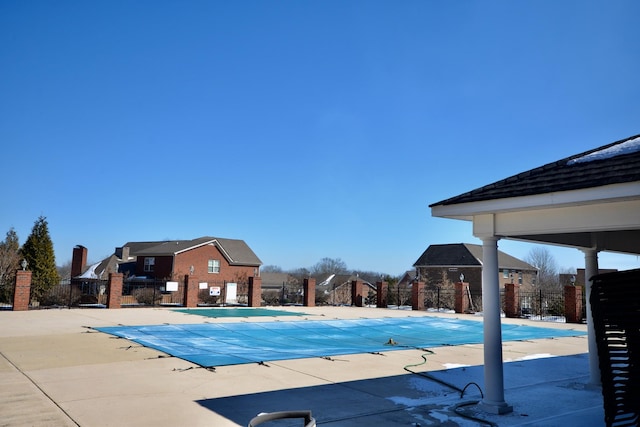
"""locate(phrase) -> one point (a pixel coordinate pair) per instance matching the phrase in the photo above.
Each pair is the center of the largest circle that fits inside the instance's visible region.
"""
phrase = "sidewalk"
(57, 371)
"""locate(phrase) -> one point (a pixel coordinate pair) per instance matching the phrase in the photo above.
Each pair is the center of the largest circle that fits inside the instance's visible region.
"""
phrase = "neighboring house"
(407, 278)
(206, 259)
(276, 281)
(445, 263)
(279, 288)
(337, 289)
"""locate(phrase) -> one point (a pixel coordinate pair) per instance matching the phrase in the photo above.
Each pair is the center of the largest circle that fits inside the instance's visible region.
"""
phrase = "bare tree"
(541, 258)
(271, 269)
(64, 270)
(9, 263)
(329, 266)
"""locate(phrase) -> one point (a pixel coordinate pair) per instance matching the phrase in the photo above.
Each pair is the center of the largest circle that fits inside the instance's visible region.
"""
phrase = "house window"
(149, 262)
(520, 278)
(505, 274)
(214, 266)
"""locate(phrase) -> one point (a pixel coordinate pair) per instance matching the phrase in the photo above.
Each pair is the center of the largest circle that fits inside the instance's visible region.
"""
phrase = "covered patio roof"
(589, 201)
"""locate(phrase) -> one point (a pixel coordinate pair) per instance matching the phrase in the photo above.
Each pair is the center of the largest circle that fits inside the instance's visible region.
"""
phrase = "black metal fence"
(152, 293)
(217, 293)
(6, 295)
(439, 299)
(135, 293)
(90, 293)
(538, 305)
(541, 305)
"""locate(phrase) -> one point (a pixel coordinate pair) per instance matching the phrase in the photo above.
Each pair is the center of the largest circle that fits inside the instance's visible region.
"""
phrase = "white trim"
(587, 196)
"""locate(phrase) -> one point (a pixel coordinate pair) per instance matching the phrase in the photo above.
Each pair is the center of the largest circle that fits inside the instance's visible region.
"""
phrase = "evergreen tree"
(38, 251)
(9, 263)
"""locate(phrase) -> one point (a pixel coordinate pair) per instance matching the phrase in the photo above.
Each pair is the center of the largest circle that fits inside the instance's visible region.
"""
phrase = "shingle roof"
(275, 280)
(585, 170)
(465, 254)
(237, 252)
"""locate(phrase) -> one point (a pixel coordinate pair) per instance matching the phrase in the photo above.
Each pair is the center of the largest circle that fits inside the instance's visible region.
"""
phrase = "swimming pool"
(220, 344)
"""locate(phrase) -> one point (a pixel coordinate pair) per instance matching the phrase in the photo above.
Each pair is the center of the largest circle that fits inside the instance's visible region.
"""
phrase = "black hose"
(453, 387)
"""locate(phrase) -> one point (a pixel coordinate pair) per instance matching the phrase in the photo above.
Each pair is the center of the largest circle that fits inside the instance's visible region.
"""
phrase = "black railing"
(541, 305)
(152, 293)
(86, 293)
(218, 293)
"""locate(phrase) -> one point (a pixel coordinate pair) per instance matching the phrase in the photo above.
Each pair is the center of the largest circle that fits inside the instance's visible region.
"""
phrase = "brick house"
(444, 263)
(206, 259)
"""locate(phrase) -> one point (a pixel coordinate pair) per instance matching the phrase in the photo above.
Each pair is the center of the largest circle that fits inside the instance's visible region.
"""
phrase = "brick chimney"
(78, 261)
(123, 253)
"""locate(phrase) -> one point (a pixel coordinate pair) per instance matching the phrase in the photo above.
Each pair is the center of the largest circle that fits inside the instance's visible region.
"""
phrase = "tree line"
(35, 255)
(327, 266)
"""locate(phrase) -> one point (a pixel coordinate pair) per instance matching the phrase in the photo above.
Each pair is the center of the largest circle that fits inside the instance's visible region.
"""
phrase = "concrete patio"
(57, 371)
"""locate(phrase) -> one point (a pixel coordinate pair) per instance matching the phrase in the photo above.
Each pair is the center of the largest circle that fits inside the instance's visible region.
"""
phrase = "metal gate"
(86, 293)
(152, 293)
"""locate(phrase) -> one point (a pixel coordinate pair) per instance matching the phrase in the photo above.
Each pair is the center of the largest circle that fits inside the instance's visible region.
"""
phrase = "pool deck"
(56, 370)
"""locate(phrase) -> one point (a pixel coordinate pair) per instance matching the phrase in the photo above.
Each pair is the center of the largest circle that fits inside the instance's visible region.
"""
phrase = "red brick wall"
(417, 296)
(472, 276)
(22, 293)
(309, 289)
(114, 299)
(356, 293)
(161, 269)
(461, 303)
(512, 300)
(382, 294)
(199, 259)
(255, 292)
(191, 290)
(78, 261)
(573, 304)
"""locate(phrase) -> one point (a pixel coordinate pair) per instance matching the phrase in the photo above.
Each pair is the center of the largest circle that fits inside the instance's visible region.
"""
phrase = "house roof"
(615, 163)
(466, 255)
(408, 276)
(275, 280)
(101, 269)
(237, 252)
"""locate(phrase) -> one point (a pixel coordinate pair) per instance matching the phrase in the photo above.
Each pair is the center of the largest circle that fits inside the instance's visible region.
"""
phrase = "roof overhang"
(605, 218)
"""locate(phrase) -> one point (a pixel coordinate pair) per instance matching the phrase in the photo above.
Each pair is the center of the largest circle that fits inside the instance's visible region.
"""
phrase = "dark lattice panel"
(615, 305)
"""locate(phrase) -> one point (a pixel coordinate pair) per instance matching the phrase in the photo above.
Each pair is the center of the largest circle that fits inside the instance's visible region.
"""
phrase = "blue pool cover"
(219, 344)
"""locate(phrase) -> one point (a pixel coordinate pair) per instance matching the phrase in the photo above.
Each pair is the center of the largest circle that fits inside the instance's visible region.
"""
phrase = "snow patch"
(454, 365)
(537, 356)
(626, 147)
(90, 273)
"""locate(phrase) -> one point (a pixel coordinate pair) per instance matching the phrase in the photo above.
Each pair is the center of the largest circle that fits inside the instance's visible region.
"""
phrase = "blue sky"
(309, 129)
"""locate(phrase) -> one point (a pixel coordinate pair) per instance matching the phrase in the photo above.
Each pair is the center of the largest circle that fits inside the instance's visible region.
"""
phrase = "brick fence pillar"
(114, 298)
(255, 291)
(382, 294)
(417, 296)
(573, 304)
(461, 299)
(356, 293)
(22, 290)
(309, 289)
(191, 291)
(511, 300)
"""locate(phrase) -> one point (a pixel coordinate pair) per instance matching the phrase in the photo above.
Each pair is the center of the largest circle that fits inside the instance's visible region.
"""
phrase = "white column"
(493, 401)
(591, 269)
